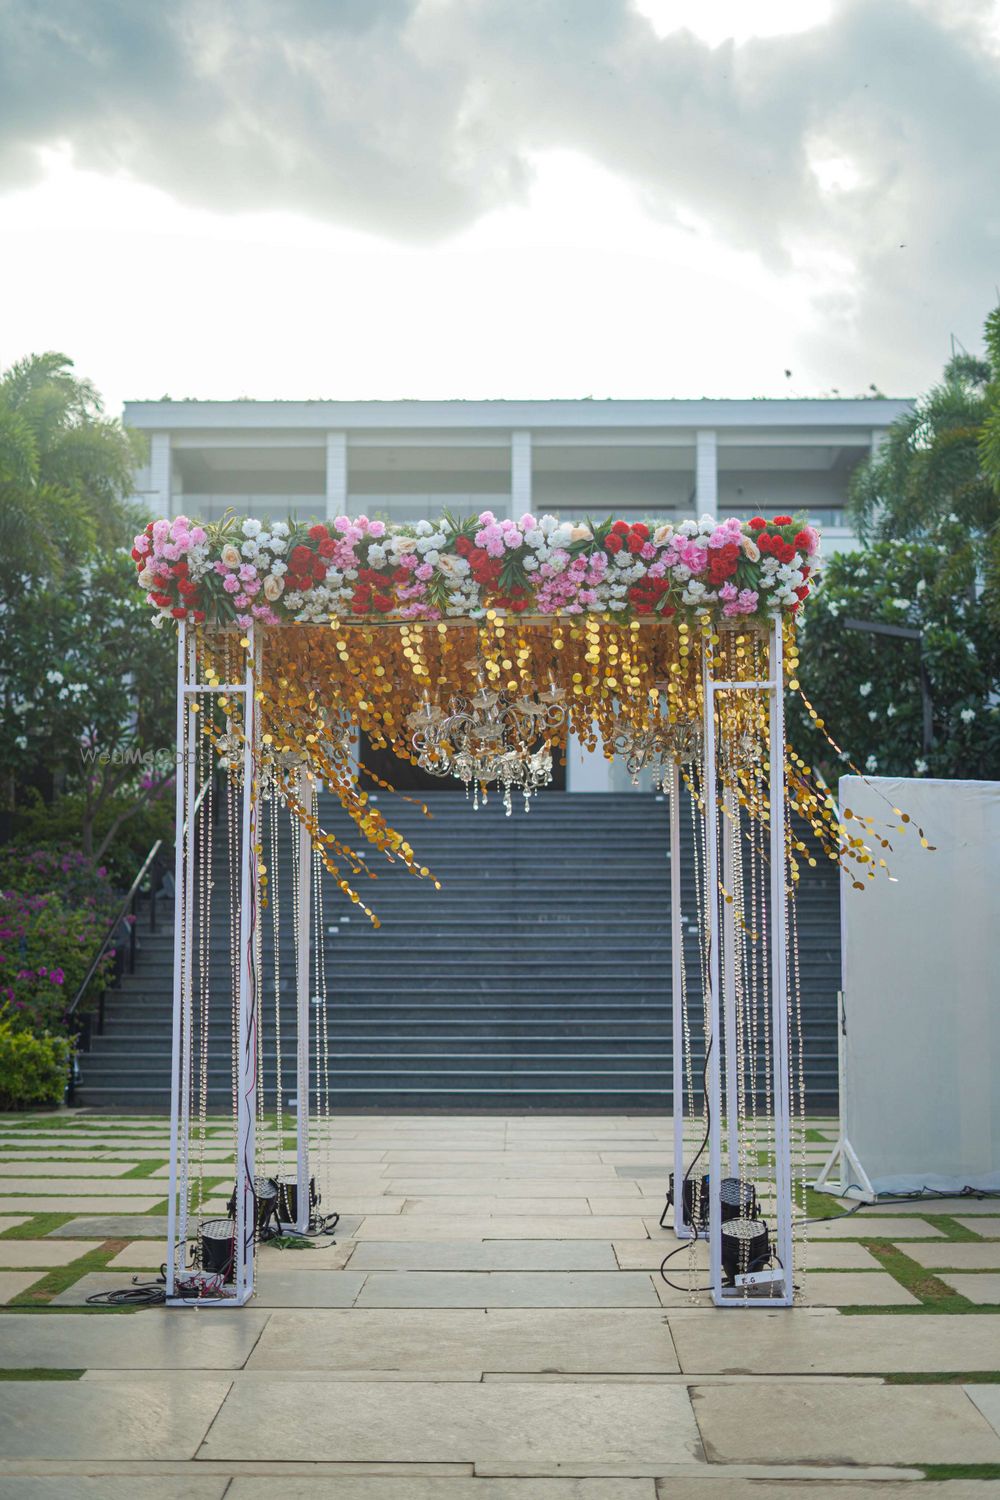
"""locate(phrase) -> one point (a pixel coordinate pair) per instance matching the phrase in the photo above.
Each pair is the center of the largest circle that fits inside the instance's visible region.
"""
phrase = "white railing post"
(779, 964)
(712, 1009)
(681, 1229)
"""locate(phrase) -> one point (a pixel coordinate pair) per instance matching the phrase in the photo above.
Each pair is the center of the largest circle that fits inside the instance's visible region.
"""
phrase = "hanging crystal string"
(206, 884)
(274, 888)
(233, 860)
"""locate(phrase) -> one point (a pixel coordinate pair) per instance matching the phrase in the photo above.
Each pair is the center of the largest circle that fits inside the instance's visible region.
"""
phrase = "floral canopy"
(247, 571)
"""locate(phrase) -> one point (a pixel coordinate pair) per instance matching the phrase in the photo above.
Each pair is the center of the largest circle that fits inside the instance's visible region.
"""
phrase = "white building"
(407, 459)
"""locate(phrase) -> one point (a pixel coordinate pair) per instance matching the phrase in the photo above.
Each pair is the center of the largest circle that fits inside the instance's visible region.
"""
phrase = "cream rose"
(231, 556)
(662, 534)
(273, 587)
(750, 548)
(581, 534)
(451, 567)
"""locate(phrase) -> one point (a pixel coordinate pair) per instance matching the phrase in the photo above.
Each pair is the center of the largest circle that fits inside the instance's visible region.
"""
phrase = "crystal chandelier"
(657, 746)
(489, 737)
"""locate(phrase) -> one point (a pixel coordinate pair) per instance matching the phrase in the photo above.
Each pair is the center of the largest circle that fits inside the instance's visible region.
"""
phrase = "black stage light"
(288, 1199)
(217, 1240)
(737, 1199)
(265, 1198)
(745, 1248)
(689, 1198)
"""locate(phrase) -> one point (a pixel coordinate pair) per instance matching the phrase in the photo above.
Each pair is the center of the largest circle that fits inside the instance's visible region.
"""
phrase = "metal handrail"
(127, 906)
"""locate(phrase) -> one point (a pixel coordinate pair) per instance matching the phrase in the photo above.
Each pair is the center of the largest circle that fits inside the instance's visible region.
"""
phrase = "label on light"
(760, 1278)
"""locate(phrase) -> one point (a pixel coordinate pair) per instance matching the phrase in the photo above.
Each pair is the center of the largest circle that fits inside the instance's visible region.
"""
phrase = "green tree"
(867, 687)
(928, 483)
(66, 470)
(86, 691)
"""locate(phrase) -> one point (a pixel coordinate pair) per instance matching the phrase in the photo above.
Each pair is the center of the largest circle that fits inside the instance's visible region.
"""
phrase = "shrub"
(33, 1069)
(58, 827)
(46, 947)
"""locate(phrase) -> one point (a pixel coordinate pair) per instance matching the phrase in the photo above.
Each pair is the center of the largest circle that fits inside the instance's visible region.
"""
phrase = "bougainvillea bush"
(47, 943)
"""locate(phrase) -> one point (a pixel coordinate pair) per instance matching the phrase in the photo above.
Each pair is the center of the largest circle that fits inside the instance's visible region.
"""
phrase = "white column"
(160, 474)
(336, 474)
(520, 473)
(706, 474)
(249, 988)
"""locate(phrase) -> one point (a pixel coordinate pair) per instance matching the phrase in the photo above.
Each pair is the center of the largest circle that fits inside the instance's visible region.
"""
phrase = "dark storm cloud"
(413, 117)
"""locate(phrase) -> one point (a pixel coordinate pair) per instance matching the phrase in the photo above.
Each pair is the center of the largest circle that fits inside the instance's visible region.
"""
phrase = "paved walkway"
(489, 1325)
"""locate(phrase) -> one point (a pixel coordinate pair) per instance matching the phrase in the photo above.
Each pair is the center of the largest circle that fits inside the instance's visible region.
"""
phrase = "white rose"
(274, 587)
(280, 528)
(231, 556)
(433, 557)
(251, 528)
(424, 528)
(452, 568)
(277, 544)
(146, 577)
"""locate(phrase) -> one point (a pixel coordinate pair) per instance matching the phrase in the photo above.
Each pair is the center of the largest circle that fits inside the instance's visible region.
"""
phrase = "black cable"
(701, 1149)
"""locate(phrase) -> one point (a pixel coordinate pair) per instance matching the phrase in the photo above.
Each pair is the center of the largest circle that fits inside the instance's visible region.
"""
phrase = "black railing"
(156, 866)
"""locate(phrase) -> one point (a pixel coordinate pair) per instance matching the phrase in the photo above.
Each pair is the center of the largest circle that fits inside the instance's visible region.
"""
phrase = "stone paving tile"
(446, 1171)
(949, 1206)
(79, 1205)
(986, 1399)
(18, 1254)
(507, 1289)
(71, 1419)
(845, 1485)
(821, 1423)
(170, 1339)
(982, 1224)
(633, 1428)
(493, 1255)
(110, 1487)
(800, 1341)
(114, 1227)
(512, 1187)
(582, 1340)
(530, 1208)
(13, 1283)
(984, 1287)
(856, 1289)
(412, 1487)
(455, 1227)
(647, 1255)
(510, 1159)
(19, 1167)
(11, 1221)
(77, 1186)
(963, 1255)
(856, 1227)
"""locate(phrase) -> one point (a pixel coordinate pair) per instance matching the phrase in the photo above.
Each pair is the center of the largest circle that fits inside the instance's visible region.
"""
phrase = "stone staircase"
(537, 977)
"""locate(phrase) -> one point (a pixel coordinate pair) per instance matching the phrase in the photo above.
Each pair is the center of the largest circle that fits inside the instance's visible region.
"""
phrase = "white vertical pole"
(302, 997)
(248, 996)
(191, 846)
(709, 791)
(779, 966)
(729, 827)
(520, 473)
(336, 474)
(682, 1230)
(177, 1064)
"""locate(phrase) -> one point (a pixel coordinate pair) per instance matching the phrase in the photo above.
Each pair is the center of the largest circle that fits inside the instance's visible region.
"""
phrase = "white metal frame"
(719, 938)
(248, 991)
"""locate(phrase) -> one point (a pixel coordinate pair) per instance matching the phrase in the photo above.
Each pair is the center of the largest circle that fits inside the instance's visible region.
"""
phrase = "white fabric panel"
(921, 966)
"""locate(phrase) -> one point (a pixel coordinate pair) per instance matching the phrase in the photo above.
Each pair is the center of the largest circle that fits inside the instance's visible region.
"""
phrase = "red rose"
(318, 532)
(319, 568)
(305, 582)
(782, 521)
(622, 528)
(178, 614)
(382, 603)
(400, 575)
(802, 592)
(757, 523)
(802, 541)
(806, 570)
(137, 556)
(613, 542)
(199, 615)
(667, 611)
(327, 547)
(643, 609)
(463, 545)
(300, 558)
(641, 530)
(764, 541)
(162, 600)
(635, 542)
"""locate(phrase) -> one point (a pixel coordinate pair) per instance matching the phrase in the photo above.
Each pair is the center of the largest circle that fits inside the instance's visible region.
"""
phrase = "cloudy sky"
(485, 198)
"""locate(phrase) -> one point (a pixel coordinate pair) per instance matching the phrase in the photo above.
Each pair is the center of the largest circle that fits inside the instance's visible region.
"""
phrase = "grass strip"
(54, 1282)
(933, 1294)
(960, 1471)
(144, 1169)
(943, 1377)
(38, 1226)
(951, 1228)
(37, 1373)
